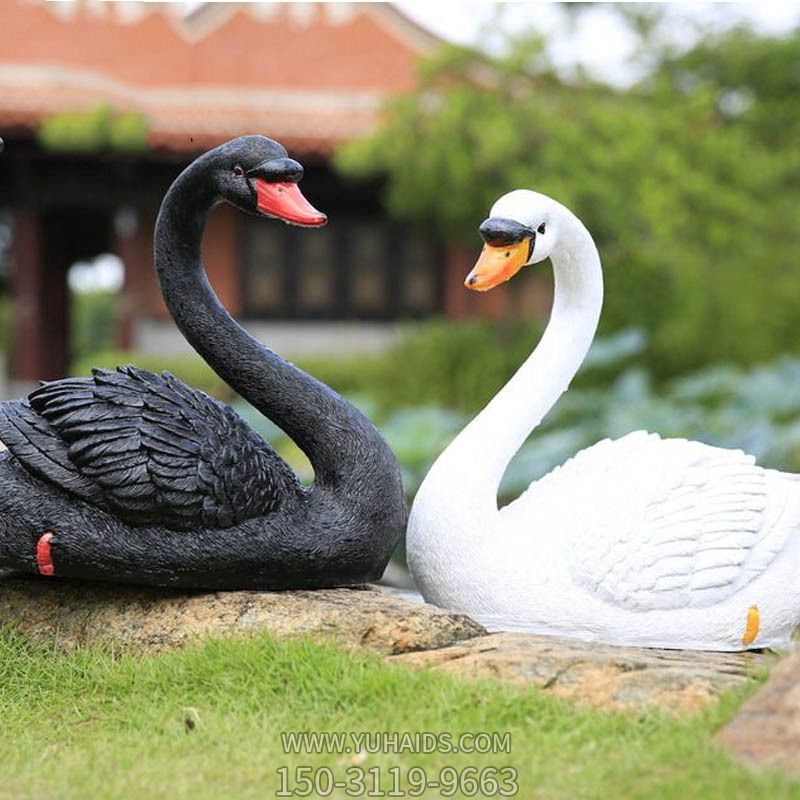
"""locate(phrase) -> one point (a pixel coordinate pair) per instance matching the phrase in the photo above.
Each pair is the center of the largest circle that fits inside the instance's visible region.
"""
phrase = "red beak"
(285, 201)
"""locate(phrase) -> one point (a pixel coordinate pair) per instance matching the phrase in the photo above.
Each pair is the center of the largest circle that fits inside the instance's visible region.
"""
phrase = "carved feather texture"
(147, 448)
(697, 524)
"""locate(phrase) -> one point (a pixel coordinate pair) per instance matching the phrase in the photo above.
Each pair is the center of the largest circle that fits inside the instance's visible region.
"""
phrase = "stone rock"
(601, 675)
(766, 731)
(72, 614)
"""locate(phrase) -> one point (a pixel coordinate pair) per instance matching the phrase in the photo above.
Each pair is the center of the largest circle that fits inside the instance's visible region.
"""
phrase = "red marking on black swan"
(44, 556)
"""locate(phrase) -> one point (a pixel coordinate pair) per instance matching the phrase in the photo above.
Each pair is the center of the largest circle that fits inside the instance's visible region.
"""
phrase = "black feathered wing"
(148, 449)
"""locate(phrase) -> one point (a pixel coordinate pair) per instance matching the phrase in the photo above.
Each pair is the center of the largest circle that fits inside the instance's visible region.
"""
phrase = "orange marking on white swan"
(751, 628)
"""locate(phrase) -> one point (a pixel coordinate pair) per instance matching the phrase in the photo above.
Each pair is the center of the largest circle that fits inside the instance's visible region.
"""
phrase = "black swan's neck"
(329, 430)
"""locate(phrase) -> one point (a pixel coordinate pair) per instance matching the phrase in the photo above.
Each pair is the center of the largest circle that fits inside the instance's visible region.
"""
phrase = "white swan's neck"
(481, 452)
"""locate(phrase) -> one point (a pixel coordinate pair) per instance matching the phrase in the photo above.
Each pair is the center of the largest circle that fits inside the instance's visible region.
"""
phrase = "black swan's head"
(256, 175)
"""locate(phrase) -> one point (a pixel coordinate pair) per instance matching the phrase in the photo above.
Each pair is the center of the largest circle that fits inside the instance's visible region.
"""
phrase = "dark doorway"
(46, 244)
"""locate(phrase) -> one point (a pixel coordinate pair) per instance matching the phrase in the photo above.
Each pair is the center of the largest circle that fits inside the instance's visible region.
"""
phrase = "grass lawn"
(93, 725)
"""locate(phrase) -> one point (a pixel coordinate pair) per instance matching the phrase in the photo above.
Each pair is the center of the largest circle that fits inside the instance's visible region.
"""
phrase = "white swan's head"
(522, 229)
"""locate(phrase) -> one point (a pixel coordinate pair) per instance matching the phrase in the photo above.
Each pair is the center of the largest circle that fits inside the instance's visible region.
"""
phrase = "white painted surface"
(639, 541)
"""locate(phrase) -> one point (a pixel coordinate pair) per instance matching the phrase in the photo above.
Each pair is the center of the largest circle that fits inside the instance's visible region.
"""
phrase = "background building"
(101, 104)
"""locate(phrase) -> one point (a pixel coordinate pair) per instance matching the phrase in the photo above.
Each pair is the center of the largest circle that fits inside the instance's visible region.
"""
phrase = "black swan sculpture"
(134, 477)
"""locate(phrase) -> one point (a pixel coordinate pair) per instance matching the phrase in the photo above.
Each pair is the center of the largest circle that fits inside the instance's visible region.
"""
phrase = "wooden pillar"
(133, 243)
(40, 301)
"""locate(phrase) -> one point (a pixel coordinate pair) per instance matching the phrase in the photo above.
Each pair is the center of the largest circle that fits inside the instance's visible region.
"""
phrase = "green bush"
(128, 133)
(350, 375)
(76, 131)
(457, 365)
(100, 128)
(6, 325)
(92, 321)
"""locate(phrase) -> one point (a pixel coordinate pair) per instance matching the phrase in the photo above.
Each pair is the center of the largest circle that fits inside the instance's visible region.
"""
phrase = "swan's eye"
(540, 229)
(238, 171)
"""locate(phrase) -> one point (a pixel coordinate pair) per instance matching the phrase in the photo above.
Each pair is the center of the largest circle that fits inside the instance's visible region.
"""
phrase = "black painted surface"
(499, 231)
(144, 480)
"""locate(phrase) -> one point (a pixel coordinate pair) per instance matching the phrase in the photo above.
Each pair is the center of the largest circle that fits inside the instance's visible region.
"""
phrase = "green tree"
(756, 81)
(685, 181)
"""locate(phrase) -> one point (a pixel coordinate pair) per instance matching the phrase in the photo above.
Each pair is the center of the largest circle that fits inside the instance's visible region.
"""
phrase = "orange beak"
(497, 264)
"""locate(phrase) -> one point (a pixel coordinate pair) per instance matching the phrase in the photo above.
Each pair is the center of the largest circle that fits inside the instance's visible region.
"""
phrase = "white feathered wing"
(666, 523)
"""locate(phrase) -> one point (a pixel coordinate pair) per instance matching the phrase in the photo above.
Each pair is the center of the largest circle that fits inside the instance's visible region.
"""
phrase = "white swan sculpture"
(639, 541)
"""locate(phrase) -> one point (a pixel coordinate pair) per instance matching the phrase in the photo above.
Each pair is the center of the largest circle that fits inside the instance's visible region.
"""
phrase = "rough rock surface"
(601, 675)
(73, 614)
(766, 731)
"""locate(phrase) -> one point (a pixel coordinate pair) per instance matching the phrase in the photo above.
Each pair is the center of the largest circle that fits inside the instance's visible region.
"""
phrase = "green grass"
(90, 724)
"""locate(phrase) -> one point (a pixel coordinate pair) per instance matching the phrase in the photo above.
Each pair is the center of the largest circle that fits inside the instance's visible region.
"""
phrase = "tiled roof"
(310, 74)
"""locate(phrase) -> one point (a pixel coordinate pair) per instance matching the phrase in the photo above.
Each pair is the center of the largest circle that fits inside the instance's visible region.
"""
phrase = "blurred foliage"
(6, 325)
(92, 320)
(98, 129)
(128, 132)
(689, 182)
(456, 365)
(755, 80)
(756, 409)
